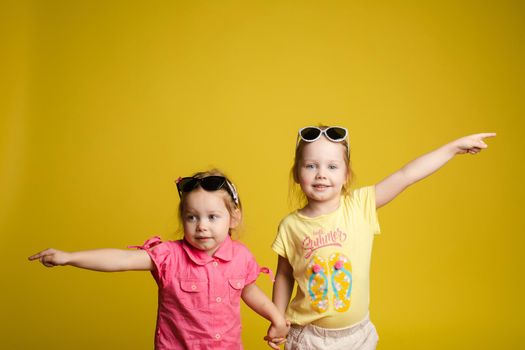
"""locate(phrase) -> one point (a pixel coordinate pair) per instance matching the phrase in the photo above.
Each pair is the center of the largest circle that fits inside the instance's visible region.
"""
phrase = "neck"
(317, 208)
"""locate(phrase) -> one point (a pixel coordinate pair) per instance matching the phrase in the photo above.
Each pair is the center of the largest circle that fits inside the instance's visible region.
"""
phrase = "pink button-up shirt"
(199, 295)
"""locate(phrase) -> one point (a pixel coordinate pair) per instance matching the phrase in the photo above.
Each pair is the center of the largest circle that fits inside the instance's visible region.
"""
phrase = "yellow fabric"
(330, 255)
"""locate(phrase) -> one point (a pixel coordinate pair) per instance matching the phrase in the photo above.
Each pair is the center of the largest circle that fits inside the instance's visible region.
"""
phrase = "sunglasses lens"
(212, 183)
(186, 184)
(336, 133)
(310, 134)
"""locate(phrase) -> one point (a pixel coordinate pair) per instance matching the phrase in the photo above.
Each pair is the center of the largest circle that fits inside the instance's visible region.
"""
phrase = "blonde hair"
(296, 197)
(234, 209)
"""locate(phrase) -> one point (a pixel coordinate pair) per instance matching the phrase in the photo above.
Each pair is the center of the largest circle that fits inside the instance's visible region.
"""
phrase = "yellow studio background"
(104, 104)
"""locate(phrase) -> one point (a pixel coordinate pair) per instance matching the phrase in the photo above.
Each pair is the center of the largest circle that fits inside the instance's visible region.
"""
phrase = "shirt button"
(217, 336)
(218, 299)
(193, 287)
(215, 263)
(238, 284)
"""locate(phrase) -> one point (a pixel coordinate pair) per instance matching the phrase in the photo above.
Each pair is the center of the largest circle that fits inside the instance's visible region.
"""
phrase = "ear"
(235, 219)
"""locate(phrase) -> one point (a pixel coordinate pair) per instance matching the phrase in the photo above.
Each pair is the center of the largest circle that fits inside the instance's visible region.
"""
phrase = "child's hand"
(276, 334)
(51, 257)
(473, 143)
(274, 344)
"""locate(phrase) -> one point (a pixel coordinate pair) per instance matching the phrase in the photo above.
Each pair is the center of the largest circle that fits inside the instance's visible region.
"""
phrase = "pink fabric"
(199, 295)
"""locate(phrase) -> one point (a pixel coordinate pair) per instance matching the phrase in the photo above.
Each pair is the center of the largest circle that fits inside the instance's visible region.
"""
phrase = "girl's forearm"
(106, 260)
(427, 164)
(282, 292)
(283, 286)
(274, 315)
(254, 297)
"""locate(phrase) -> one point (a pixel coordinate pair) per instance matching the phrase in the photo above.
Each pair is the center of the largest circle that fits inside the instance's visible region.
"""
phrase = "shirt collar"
(224, 252)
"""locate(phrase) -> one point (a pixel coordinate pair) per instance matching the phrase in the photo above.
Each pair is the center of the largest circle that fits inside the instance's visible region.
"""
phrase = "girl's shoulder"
(157, 245)
(289, 218)
(361, 190)
(360, 193)
(239, 247)
(361, 200)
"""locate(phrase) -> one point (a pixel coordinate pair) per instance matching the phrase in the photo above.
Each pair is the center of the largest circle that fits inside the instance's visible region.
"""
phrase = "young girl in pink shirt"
(201, 278)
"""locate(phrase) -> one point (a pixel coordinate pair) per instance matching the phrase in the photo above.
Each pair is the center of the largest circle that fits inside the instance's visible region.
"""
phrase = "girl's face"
(322, 170)
(206, 220)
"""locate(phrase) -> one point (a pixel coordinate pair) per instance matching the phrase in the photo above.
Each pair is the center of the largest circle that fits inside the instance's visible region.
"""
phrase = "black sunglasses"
(208, 183)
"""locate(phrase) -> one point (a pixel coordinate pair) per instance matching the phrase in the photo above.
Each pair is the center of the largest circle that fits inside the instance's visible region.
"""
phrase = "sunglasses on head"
(208, 183)
(313, 133)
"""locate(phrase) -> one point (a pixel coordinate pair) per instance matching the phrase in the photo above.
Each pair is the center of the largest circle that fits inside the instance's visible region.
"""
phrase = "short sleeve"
(252, 270)
(365, 198)
(278, 243)
(161, 255)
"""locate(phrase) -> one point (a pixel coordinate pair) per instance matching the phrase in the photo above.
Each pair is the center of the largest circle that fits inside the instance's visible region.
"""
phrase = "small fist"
(51, 257)
(473, 143)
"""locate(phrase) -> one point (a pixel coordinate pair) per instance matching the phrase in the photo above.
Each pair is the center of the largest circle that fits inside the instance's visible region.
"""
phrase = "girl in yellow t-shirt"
(325, 247)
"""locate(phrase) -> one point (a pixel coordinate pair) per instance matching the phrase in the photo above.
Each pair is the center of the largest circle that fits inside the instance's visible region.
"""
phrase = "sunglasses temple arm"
(233, 191)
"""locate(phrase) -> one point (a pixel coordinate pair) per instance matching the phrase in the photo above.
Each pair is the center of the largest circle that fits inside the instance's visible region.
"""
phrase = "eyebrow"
(213, 211)
(317, 161)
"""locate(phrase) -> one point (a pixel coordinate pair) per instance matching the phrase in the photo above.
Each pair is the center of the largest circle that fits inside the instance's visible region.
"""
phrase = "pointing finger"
(486, 135)
(38, 255)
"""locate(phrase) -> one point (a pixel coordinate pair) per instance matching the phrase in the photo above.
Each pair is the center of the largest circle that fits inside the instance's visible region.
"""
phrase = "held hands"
(51, 257)
(277, 334)
(472, 144)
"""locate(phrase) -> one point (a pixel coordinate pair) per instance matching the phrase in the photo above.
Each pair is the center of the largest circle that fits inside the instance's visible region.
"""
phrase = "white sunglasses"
(313, 133)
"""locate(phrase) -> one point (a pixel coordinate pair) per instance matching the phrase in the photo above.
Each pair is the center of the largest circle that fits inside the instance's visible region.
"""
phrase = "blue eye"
(309, 166)
(332, 167)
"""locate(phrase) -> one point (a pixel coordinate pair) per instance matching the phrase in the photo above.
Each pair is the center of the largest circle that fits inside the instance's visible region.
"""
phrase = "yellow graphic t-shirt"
(330, 255)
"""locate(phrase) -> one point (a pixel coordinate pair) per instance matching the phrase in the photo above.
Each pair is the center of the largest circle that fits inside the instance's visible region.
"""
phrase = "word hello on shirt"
(321, 239)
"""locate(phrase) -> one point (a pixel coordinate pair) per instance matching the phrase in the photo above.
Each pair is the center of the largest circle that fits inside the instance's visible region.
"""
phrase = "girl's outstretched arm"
(254, 297)
(106, 260)
(418, 169)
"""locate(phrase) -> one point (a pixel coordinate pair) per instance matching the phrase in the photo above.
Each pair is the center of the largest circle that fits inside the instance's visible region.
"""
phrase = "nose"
(320, 173)
(201, 226)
